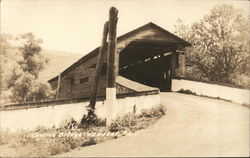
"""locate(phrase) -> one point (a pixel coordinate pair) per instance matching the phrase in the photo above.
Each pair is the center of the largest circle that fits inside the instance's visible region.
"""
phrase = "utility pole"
(111, 64)
(98, 70)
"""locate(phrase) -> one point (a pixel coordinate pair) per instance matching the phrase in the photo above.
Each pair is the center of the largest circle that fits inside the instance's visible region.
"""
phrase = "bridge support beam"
(182, 64)
(58, 86)
(173, 66)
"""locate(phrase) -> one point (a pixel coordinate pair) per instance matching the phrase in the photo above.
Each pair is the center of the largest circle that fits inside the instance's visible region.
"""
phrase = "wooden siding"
(71, 87)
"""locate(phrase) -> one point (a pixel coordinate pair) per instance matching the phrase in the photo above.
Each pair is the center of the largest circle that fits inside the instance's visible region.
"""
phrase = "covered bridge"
(148, 55)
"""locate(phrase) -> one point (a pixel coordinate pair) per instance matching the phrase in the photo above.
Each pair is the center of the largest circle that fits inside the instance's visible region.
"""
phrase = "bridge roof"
(178, 42)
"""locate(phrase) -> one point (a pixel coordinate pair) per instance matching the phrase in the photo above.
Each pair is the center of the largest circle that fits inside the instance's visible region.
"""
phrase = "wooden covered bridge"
(148, 55)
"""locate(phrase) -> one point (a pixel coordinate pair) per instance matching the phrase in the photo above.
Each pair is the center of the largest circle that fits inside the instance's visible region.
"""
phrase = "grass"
(193, 93)
(246, 105)
(48, 142)
(217, 83)
(186, 92)
(131, 122)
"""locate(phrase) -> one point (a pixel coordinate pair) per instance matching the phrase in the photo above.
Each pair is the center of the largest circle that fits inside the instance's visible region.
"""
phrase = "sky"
(76, 25)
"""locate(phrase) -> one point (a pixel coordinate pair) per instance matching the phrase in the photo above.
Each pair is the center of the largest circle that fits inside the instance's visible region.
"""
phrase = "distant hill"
(58, 61)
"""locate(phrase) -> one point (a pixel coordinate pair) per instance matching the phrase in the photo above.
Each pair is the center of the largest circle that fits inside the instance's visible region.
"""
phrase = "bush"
(90, 122)
(131, 122)
(68, 123)
(127, 122)
(157, 112)
(40, 128)
(246, 105)
(186, 91)
(4, 137)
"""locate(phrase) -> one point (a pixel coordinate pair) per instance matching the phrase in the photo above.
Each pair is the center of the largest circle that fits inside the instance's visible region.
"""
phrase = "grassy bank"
(47, 142)
(193, 93)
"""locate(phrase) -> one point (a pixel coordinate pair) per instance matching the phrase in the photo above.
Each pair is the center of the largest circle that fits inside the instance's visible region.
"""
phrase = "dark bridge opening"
(147, 62)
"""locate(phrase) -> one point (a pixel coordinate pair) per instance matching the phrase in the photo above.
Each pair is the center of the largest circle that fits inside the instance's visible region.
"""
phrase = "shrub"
(68, 123)
(4, 137)
(246, 105)
(186, 91)
(127, 122)
(40, 128)
(87, 122)
(131, 122)
(158, 112)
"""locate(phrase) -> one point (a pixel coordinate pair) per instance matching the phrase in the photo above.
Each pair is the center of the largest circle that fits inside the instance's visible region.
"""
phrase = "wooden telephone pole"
(112, 47)
(111, 64)
(109, 28)
(98, 70)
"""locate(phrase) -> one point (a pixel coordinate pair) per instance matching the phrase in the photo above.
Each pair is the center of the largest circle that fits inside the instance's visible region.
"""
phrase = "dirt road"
(193, 126)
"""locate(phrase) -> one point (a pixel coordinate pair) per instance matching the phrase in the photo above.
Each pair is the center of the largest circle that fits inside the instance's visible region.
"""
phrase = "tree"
(220, 44)
(20, 68)
(8, 65)
(22, 88)
(33, 61)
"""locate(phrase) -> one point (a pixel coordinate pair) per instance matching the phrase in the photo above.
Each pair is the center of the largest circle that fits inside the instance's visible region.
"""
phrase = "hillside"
(58, 61)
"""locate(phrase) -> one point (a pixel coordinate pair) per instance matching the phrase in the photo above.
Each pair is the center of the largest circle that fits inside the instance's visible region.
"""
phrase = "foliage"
(132, 122)
(220, 50)
(68, 123)
(20, 67)
(186, 91)
(23, 145)
(6, 54)
(126, 122)
(33, 61)
(246, 105)
(88, 122)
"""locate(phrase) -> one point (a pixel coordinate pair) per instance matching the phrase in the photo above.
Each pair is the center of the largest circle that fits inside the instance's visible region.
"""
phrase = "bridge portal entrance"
(148, 62)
